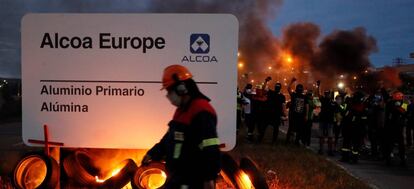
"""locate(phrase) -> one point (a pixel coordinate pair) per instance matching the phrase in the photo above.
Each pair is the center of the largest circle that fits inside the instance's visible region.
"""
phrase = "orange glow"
(289, 59)
(355, 77)
(240, 65)
(270, 67)
(31, 172)
(238, 54)
(252, 81)
(115, 172)
(152, 178)
(98, 180)
(244, 181)
(157, 180)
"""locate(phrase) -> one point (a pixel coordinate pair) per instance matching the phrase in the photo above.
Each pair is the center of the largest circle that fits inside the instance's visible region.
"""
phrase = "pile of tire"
(40, 171)
(37, 170)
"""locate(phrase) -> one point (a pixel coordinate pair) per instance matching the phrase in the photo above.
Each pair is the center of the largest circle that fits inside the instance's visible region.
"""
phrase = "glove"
(146, 160)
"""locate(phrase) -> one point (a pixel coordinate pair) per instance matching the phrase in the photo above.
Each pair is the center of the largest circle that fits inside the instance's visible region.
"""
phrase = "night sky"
(390, 22)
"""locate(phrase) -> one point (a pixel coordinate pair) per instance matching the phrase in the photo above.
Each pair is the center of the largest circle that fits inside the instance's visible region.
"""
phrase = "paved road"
(375, 173)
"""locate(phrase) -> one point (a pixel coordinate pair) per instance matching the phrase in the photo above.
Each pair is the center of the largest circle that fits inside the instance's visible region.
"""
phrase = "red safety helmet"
(173, 74)
(397, 95)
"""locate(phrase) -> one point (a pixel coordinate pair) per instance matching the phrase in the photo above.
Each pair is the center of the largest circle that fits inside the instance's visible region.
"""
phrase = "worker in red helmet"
(190, 148)
(395, 123)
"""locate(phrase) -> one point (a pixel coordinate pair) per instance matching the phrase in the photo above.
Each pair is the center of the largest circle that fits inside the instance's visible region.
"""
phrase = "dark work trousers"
(307, 132)
(375, 126)
(249, 122)
(409, 132)
(337, 132)
(296, 125)
(353, 134)
(291, 130)
(395, 135)
(276, 124)
(346, 143)
(239, 120)
(261, 126)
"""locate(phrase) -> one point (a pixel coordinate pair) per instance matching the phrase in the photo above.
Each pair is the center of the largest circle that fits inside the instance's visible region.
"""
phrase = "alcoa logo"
(199, 43)
(200, 46)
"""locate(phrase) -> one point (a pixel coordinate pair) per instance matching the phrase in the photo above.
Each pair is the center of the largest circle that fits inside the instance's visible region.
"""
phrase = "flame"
(98, 180)
(115, 172)
(244, 180)
(153, 178)
(156, 180)
(289, 59)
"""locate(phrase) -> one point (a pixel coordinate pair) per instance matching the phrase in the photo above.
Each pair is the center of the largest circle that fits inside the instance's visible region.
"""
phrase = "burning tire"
(152, 175)
(256, 177)
(36, 171)
(78, 167)
(121, 175)
(229, 170)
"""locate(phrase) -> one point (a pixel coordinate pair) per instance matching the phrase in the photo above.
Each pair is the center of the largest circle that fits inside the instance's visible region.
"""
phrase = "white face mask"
(397, 103)
(174, 98)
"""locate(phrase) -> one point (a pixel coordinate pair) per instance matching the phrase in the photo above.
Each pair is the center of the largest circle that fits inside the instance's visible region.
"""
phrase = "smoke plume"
(300, 39)
(345, 52)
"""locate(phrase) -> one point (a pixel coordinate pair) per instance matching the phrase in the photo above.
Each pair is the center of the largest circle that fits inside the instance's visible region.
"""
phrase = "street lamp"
(341, 85)
(240, 65)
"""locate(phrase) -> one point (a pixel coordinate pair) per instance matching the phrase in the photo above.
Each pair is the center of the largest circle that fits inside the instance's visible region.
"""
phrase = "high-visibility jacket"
(190, 147)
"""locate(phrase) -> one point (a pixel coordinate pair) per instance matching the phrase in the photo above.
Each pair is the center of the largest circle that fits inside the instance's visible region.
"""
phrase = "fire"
(152, 178)
(115, 172)
(156, 180)
(244, 180)
(112, 174)
(289, 59)
(98, 180)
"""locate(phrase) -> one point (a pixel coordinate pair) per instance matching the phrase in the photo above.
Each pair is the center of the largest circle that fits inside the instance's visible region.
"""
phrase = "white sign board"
(95, 79)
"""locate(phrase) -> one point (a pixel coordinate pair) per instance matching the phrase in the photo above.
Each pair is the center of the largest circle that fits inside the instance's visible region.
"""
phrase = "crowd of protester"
(349, 124)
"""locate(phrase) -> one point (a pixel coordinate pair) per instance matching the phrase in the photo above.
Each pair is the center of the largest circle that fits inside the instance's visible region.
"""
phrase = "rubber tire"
(122, 178)
(52, 170)
(156, 165)
(76, 168)
(250, 168)
(229, 170)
